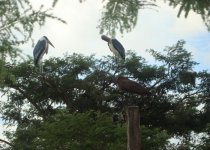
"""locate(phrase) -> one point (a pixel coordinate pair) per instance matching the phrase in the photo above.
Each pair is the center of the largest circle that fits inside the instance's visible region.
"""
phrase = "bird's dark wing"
(133, 87)
(39, 50)
(118, 46)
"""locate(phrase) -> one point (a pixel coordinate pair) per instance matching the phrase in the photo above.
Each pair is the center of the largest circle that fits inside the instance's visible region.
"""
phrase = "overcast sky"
(155, 29)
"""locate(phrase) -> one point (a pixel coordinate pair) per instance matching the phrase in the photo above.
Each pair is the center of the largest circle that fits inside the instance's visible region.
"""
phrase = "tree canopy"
(82, 89)
(17, 21)
(72, 105)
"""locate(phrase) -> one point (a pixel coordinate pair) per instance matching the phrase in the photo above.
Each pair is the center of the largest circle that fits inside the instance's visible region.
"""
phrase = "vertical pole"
(133, 123)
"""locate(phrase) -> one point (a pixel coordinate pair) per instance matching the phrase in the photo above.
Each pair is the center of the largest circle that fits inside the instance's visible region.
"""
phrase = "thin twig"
(7, 26)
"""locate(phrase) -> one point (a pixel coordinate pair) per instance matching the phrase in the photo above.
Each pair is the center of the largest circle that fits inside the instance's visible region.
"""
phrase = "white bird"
(115, 46)
(40, 49)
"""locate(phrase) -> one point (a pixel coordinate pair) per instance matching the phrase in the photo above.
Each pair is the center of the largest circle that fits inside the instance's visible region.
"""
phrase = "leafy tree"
(78, 89)
(90, 130)
(73, 131)
(76, 85)
(17, 21)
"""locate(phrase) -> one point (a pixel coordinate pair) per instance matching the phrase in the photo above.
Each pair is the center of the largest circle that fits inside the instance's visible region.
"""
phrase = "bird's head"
(48, 41)
(105, 38)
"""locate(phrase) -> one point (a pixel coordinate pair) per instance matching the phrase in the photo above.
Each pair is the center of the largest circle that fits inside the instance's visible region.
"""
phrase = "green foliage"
(205, 143)
(201, 7)
(179, 62)
(7, 53)
(121, 15)
(89, 131)
(74, 87)
(17, 21)
(153, 139)
(70, 106)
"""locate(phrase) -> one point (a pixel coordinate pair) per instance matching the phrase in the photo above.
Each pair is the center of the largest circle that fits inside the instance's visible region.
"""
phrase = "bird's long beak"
(50, 43)
(105, 38)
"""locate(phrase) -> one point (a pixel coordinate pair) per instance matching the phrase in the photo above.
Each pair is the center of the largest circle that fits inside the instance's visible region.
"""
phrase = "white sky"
(155, 29)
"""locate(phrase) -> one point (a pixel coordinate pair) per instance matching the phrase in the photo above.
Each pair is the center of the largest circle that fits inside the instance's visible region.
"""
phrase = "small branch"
(157, 82)
(14, 22)
(61, 94)
(189, 95)
(8, 25)
(17, 87)
(8, 143)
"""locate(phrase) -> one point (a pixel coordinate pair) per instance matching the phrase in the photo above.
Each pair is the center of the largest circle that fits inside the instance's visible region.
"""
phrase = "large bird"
(131, 86)
(115, 46)
(40, 49)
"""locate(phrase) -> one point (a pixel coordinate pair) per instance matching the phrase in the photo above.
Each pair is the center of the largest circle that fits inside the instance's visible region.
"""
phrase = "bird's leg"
(41, 66)
(115, 62)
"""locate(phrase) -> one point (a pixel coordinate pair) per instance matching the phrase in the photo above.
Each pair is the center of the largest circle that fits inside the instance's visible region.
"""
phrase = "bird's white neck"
(42, 39)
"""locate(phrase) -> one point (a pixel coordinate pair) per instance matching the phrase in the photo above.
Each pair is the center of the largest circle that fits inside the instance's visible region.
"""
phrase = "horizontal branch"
(8, 143)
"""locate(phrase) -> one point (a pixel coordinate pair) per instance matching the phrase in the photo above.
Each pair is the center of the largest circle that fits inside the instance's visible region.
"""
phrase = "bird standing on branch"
(115, 46)
(40, 49)
(131, 86)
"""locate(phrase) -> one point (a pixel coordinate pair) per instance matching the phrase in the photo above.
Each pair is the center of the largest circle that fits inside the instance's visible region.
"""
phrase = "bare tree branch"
(8, 143)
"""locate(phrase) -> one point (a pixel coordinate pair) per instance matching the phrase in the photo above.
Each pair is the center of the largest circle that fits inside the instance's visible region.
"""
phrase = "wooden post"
(133, 123)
